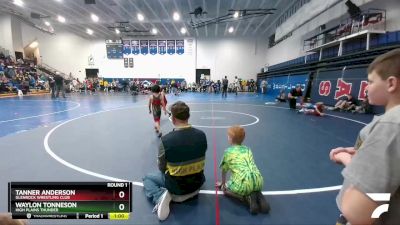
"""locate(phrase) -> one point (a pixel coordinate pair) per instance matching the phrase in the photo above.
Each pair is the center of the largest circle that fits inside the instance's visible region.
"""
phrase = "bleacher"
(349, 67)
(20, 75)
(353, 55)
(388, 40)
(297, 61)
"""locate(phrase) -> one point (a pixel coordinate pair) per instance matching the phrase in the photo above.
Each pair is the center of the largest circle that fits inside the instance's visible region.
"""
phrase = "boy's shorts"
(157, 115)
(246, 187)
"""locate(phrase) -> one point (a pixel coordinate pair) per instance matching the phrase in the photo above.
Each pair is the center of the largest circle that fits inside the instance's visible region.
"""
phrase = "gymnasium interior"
(95, 125)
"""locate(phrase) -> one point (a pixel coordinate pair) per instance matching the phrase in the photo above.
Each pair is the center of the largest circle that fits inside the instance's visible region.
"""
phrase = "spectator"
(183, 86)
(236, 85)
(263, 86)
(364, 107)
(246, 181)
(106, 86)
(181, 160)
(371, 166)
(52, 84)
(173, 86)
(224, 86)
(293, 95)
(5, 219)
(346, 103)
(59, 82)
(282, 96)
(218, 86)
(1, 68)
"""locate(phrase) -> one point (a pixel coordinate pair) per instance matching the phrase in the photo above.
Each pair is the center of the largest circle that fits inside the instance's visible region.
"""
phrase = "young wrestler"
(316, 110)
(165, 100)
(156, 102)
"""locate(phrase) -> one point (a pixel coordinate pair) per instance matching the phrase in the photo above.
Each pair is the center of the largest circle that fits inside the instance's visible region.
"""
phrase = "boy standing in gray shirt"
(373, 166)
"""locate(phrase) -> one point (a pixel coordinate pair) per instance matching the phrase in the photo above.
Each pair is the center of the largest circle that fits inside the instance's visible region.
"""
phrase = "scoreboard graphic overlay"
(70, 200)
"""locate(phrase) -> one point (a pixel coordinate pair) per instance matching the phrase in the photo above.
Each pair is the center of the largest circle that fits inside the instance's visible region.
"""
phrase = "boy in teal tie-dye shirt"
(246, 181)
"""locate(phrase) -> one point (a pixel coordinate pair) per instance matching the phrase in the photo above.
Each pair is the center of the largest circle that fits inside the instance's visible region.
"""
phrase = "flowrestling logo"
(379, 197)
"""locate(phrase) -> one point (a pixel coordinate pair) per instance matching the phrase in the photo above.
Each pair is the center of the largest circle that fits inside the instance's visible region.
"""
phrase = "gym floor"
(111, 137)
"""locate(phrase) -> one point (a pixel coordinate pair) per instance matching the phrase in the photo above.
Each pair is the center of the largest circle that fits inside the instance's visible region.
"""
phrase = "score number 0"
(121, 195)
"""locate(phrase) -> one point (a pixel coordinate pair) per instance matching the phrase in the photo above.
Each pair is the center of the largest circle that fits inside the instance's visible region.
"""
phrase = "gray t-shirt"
(375, 168)
(362, 136)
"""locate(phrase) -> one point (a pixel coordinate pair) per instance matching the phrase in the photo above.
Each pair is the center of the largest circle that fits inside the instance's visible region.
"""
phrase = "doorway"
(202, 72)
(92, 73)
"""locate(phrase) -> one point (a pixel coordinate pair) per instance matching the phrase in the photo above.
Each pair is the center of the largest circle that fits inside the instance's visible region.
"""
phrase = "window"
(291, 11)
(271, 40)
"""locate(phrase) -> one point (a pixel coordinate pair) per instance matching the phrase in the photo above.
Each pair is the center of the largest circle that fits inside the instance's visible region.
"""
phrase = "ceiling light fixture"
(154, 31)
(176, 16)
(236, 14)
(117, 31)
(61, 19)
(230, 30)
(94, 17)
(183, 30)
(140, 17)
(34, 44)
(18, 3)
(89, 31)
(47, 23)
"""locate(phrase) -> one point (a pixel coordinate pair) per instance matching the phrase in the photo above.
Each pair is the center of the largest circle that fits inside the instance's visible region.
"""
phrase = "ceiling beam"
(169, 16)
(156, 16)
(240, 21)
(216, 25)
(138, 10)
(227, 24)
(78, 32)
(277, 18)
(226, 29)
(182, 19)
(265, 18)
(205, 10)
(252, 19)
(191, 10)
(53, 14)
(97, 26)
(121, 19)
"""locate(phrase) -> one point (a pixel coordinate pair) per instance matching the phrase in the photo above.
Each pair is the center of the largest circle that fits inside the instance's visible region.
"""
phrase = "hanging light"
(34, 44)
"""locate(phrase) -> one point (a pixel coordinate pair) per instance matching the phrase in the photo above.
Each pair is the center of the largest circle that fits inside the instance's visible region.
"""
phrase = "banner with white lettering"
(162, 47)
(131, 62)
(126, 47)
(153, 47)
(135, 47)
(171, 47)
(144, 47)
(180, 47)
